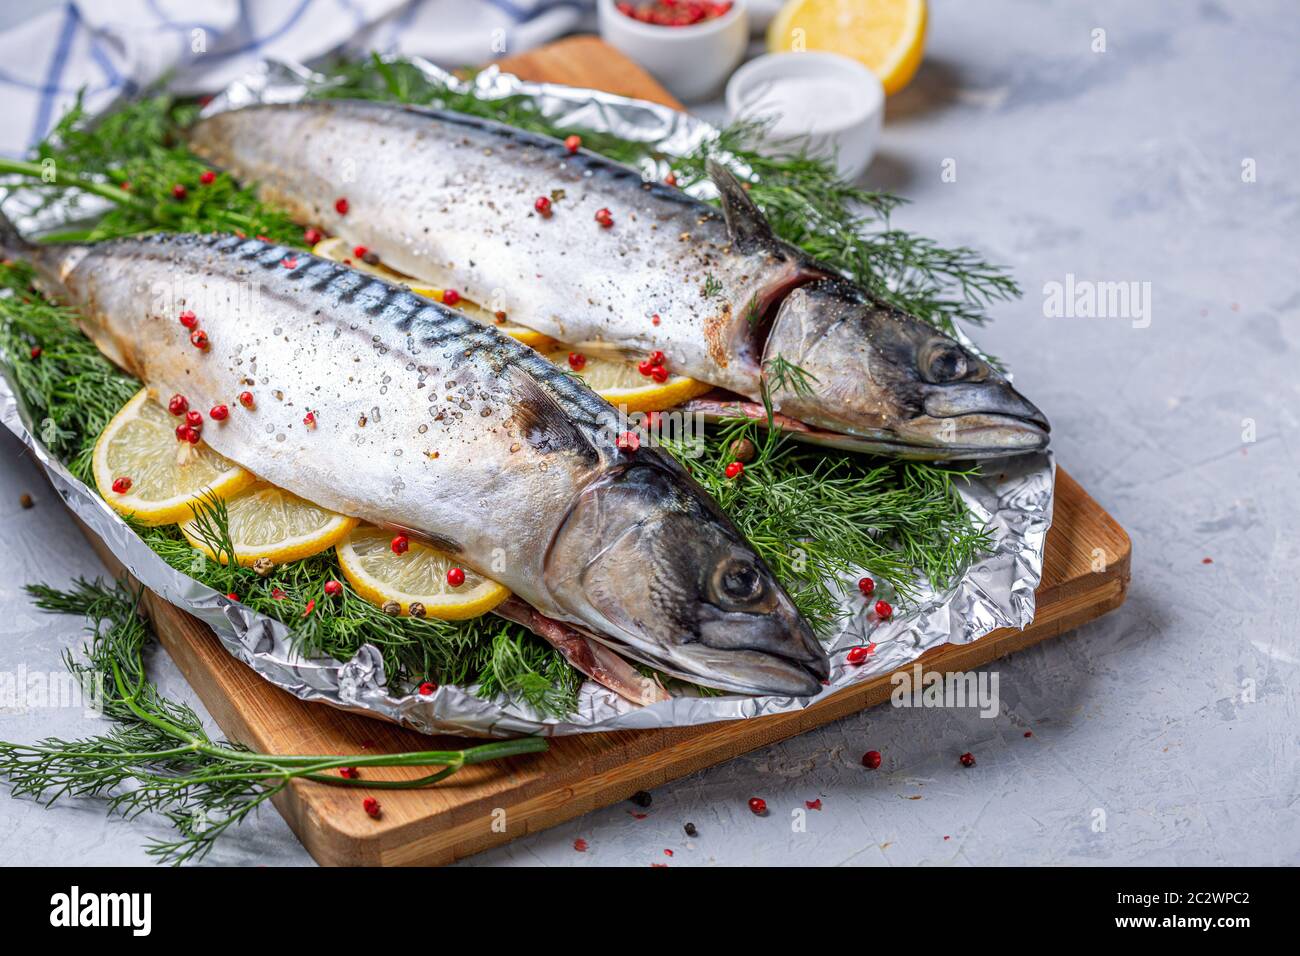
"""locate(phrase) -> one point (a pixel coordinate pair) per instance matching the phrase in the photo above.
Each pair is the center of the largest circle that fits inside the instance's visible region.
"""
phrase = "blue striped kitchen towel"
(112, 48)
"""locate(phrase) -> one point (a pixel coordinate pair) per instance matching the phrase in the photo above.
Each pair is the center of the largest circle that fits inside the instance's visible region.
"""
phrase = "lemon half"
(885, 36)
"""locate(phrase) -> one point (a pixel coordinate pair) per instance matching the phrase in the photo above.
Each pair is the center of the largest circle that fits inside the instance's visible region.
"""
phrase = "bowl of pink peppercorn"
(690, 46)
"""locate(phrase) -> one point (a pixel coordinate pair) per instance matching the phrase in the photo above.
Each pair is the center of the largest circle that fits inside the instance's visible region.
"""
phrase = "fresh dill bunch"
(842, 225)
(499, 656)
(159, 759)
(814, 516)
(401, 81)
(818, 516)
(520, 665)
(70, 390)
(847, 228)
(135, 158)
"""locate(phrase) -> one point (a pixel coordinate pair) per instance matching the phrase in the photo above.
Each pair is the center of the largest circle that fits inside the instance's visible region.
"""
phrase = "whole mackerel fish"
(449, 199)
(428, 421)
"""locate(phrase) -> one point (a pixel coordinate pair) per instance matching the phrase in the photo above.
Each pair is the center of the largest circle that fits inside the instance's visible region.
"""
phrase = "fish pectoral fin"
(543, 421)
(745, 221)
(585, 654)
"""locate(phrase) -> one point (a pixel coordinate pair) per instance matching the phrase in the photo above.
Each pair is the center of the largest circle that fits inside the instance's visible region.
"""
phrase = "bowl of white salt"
(828, 104)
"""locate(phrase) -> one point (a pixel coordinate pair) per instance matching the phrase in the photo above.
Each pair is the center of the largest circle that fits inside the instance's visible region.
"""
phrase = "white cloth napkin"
(113, 48)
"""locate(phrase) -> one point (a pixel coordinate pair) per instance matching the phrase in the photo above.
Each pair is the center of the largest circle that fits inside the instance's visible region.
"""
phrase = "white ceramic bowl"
(692, 62)
(829, 102)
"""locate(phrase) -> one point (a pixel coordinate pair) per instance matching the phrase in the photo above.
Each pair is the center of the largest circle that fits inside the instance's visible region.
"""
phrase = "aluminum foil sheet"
(1014, 500)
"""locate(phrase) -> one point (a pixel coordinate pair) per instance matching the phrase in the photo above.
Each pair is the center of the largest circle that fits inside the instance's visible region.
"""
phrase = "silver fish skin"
(427, 420)
(448, 199)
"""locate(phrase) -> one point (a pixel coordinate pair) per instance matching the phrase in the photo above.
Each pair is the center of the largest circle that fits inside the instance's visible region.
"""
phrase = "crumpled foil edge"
(1014, 500)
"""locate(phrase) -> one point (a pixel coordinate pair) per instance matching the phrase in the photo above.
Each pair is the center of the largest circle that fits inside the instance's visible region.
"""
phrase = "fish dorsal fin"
(543, 421)
(745, 221)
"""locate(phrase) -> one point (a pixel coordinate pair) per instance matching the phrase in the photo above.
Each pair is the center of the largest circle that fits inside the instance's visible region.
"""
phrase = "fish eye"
(737, 582)
(944, 362)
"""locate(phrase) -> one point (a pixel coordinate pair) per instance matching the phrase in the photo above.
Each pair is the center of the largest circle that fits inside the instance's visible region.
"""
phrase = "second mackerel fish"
(451, 200)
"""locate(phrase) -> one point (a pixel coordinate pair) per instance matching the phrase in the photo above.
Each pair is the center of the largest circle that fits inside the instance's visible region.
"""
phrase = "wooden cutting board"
(487, 805)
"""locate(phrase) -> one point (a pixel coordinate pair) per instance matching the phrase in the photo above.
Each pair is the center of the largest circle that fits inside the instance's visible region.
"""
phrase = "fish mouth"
(991, 398)
(924, 438)
(782, 660)
(753, 673)
(777, 654)
(981, 419)
(774, 653)
(969, 436)
(786, 660)
(987, 440)
(933, 438)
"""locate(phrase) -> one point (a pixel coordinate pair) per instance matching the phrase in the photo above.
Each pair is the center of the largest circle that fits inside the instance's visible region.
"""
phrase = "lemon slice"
(620, 382)
(337, 250)
(419, 576)
(141, 468)
(886, 36)
(269, 522)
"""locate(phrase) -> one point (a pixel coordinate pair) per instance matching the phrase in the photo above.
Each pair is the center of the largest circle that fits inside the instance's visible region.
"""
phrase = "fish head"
(647, 561)
(874, 371)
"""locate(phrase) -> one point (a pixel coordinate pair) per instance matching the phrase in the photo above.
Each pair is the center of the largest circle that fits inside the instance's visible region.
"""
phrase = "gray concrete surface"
(1165, 733)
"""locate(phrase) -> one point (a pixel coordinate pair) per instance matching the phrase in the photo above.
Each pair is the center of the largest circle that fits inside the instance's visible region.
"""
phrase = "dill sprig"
(819, 518)
(780, 374)
(134, 158)
(848, 227)
(70, 390)
(159, 759)
(499, 656)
